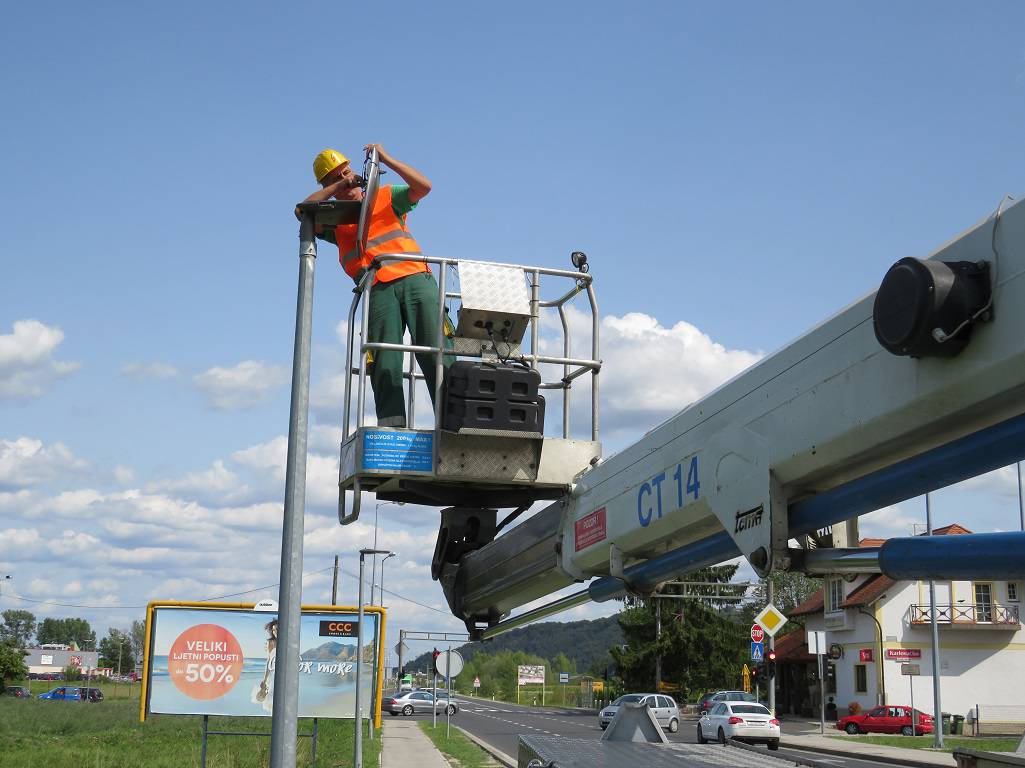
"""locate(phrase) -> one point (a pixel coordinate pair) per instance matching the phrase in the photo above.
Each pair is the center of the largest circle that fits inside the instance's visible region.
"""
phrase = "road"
(500, 725)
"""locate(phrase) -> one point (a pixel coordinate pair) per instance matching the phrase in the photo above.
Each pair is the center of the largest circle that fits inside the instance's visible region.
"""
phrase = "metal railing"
(966, 613)
(572, 368)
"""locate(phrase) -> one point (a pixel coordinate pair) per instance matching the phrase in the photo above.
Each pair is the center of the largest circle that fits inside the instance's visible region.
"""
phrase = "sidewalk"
(866, 751)
(403, 744)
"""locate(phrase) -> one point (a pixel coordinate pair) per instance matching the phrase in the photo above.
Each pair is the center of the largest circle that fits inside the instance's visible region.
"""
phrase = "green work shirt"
(400, 203)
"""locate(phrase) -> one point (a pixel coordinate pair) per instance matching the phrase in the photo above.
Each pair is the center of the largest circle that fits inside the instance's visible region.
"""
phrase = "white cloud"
(27, 367)
(243, 386)
(218, 480)
(124, 475)
(25, 462)
(152, 370)
(651, 372)
(888, 522)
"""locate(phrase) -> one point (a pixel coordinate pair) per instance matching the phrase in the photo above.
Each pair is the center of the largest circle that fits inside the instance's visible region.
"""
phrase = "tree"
(790, 589)
(12, 662)
(66, 632)
(701, 648)
(18, 627)
(116, 651)
(138, 633)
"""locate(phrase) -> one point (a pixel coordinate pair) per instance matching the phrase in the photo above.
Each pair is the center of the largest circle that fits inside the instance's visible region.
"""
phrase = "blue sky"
(736, 173)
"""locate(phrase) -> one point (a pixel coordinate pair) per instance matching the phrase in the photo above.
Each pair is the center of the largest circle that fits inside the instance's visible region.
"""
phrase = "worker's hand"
(383, 156)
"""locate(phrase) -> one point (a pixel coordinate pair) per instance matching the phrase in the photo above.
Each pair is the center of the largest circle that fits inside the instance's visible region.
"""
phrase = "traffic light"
(756, 674)
(434, 661)
(770, 666)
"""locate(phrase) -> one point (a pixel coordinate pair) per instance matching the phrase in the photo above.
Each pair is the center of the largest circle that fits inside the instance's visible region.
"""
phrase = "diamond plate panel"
(492, 294)
(496, 459)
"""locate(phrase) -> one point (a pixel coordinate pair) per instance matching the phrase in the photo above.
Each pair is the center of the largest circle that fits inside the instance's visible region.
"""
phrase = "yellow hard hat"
(327, 161)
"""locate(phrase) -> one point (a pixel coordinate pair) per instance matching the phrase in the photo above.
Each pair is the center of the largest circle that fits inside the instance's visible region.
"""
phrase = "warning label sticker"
(590, 529)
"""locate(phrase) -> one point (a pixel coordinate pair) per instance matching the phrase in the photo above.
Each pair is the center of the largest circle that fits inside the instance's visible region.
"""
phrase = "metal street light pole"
(1021, 507)
(938, 713)
(357, 760)
(380, 590)
(284, 721)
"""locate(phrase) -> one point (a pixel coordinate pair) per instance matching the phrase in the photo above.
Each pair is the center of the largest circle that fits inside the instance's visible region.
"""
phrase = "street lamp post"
(373, 577)
(380, 590)
(358, 739)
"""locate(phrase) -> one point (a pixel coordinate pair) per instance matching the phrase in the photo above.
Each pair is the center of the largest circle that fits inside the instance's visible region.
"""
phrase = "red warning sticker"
(590, 529)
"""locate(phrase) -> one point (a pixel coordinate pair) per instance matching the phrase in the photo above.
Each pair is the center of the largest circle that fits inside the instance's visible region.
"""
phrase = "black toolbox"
(481, 395)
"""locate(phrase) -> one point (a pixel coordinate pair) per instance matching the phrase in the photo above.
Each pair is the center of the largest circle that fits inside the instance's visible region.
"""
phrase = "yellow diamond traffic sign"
(770, 620)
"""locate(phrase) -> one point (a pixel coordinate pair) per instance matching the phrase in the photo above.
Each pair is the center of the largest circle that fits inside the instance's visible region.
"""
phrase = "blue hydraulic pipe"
(976, 557)
(969, 456)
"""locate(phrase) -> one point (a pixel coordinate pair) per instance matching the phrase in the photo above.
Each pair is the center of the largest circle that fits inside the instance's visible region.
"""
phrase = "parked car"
(73, 693)
(745, 721)
(709, 700)
(886, 719)
(663, 707)
(17, 692)
(408, 702)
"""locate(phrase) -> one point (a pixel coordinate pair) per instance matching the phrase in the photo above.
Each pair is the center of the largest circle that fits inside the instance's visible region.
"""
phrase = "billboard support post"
(207, 733)
(284, 723)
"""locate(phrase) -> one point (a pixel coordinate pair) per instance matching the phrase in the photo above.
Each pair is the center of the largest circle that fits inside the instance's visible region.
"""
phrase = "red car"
(888, 719)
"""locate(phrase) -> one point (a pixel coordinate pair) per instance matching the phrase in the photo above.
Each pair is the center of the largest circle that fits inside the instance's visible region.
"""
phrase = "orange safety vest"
(387, 234)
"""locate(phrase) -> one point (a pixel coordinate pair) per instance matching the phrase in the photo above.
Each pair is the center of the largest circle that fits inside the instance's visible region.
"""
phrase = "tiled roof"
(869, 591)
(813, 604)
(950, 530)
(793, 647)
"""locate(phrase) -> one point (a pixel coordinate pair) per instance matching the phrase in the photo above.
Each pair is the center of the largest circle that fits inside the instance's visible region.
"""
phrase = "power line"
(212, 599)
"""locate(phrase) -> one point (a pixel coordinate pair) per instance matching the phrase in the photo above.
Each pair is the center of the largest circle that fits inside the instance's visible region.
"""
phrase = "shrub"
(853, 708)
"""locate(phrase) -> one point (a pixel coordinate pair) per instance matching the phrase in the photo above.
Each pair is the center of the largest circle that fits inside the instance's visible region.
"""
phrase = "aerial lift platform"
(470, 472)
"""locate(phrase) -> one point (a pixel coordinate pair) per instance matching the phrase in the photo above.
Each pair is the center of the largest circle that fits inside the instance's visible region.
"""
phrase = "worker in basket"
(404, 293)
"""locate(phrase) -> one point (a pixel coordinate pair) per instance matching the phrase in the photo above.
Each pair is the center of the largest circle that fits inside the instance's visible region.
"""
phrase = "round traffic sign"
(451, 663)
(757, 633)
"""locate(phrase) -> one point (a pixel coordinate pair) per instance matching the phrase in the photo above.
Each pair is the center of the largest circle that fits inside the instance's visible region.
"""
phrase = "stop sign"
(757, 633)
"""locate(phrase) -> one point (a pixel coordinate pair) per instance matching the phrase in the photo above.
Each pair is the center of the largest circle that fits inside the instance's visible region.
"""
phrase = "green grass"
(457, 747)
(109, 735)
(950, 743)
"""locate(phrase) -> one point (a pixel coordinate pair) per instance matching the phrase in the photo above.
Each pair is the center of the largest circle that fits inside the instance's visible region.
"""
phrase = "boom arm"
(739, 470)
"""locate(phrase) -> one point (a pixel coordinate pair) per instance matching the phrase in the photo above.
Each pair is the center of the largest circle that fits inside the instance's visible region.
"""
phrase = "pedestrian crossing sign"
(757, 651)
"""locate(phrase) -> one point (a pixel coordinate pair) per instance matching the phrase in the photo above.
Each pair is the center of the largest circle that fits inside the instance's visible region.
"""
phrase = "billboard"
(217, 659)
(530, 674)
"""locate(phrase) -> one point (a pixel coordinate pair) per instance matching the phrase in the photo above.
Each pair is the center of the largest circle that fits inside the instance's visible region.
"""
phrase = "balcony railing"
(991, 615)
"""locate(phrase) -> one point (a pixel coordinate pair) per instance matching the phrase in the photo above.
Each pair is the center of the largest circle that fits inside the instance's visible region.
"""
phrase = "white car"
(741, 720)
(662, 707)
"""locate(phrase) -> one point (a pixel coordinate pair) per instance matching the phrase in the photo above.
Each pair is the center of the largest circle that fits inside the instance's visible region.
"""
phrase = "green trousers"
(409, 302)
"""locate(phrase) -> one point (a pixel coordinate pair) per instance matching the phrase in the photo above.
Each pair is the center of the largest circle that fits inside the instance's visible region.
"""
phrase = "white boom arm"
(829, 408)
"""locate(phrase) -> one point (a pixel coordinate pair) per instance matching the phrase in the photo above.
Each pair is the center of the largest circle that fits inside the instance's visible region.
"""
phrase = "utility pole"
(402, 647)
(334, 584)
(658, 649)
(937, 711)
(1021, 507)
(770, 684)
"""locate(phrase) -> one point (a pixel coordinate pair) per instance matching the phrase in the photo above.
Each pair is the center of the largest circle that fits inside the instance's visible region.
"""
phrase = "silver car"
(662, 707)
(408, 702)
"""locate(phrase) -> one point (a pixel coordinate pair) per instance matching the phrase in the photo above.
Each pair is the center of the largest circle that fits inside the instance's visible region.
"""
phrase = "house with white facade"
(875, 624)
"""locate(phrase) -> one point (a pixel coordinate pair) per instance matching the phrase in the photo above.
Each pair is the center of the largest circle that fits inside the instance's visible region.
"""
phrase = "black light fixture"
(927, 308)
(579, 259)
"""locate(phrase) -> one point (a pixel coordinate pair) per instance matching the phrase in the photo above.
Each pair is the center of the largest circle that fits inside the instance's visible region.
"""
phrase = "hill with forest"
(586, 643)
